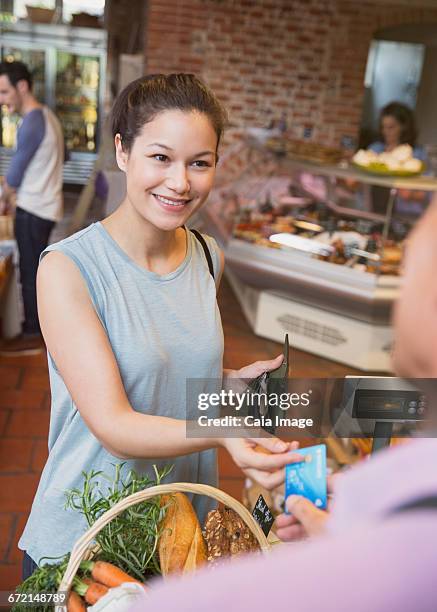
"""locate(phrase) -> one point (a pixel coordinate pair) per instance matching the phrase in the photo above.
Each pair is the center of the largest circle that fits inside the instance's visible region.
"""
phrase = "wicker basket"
(85, 544)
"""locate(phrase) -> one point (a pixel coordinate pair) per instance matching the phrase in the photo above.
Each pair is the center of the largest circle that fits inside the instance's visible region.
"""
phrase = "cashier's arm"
(83, 355)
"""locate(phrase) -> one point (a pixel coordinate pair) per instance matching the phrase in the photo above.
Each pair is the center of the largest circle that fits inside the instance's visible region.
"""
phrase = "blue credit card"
(308, 478)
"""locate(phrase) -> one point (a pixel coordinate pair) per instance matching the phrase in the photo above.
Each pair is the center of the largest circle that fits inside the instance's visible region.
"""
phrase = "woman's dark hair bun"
(146, 97)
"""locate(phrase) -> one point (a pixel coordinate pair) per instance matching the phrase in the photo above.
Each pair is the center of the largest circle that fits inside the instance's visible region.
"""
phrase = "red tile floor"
(24, 420)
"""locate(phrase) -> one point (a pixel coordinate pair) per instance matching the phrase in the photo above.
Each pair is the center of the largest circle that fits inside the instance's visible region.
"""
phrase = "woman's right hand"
(268, 467)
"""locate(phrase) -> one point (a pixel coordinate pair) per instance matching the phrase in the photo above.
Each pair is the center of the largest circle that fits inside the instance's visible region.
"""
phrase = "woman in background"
(397, 127)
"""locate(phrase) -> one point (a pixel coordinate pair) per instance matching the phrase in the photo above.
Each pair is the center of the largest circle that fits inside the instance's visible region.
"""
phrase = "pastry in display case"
(292, 219)
(398, 162)
(314, 228)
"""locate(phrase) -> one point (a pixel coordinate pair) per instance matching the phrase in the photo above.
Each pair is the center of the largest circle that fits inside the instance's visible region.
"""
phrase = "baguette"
(181, 546)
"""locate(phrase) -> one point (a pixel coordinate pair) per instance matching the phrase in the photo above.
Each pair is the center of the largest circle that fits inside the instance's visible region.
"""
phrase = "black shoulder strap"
(422, 503)
(201, 239)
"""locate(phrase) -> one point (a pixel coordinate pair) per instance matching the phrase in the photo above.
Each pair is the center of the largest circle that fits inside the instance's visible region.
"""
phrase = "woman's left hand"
(254, 370)
(261, 459)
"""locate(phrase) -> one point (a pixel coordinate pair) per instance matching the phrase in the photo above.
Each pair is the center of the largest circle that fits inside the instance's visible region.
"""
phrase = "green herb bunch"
(45, 579)
(130, 540)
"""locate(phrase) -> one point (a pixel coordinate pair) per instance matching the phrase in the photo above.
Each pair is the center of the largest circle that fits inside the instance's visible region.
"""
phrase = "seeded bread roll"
(181, 545)
(227, 535)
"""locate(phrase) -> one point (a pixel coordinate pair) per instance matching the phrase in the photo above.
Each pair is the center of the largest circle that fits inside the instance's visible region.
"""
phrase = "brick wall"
(304, 58)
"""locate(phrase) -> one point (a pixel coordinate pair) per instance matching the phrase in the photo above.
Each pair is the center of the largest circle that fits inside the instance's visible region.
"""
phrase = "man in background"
(34, 180)
(376, 550)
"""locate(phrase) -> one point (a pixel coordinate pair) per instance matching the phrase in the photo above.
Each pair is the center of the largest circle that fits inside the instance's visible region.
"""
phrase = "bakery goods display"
(318, 231)
(320, 210)
(303, 239)
(398, 162)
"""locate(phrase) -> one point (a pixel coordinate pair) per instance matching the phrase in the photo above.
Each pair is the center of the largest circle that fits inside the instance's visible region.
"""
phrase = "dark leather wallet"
(264, 387)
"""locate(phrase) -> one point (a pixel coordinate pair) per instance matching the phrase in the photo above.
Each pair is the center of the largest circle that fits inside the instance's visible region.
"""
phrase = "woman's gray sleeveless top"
(163, 330)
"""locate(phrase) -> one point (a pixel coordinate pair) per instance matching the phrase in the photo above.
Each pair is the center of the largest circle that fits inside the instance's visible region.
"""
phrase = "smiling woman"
(128, 311)
(173, 175)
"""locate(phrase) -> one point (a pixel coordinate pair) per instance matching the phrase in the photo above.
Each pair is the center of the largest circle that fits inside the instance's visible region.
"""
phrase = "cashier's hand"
(263, 459)
(305, 520)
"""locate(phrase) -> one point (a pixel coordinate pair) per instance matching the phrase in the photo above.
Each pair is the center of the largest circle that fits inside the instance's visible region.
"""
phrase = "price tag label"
(263, 515)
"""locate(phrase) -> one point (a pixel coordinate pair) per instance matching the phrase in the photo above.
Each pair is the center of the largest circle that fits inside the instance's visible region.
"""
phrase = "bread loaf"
(227, 535)
(181, 545)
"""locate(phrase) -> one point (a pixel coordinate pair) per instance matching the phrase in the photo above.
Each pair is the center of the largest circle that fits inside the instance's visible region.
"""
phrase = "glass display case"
(315, 249)
(68, 65)
(77, 99)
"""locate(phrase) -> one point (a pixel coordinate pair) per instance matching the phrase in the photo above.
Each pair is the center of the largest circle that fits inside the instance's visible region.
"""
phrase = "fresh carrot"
(75, 603)
(108, 574)
(94, 592)
(90, 590)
